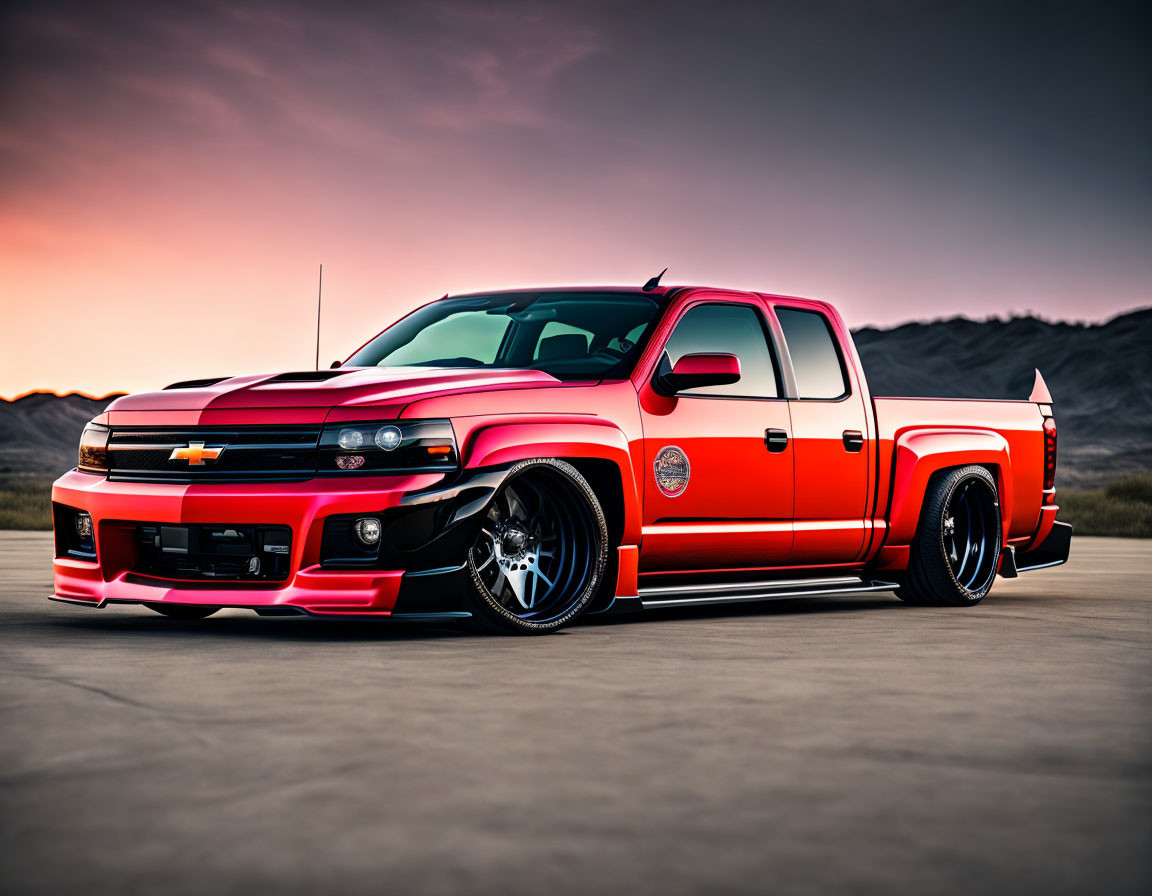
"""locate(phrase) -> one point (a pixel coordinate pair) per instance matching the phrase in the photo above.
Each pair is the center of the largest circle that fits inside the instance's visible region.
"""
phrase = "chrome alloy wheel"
(517, 554)
(541, 547)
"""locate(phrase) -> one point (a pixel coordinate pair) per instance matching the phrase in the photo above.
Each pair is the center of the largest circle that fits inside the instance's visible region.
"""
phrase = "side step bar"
(655, 596)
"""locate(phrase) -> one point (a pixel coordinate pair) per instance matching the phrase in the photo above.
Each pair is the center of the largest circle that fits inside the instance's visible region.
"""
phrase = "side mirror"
(696, 370)
(333, 365)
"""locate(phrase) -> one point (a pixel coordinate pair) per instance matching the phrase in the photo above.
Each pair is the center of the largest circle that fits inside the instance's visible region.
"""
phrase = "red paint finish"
(708, 365)
(833, 484)
(737, 508)
(778, 482)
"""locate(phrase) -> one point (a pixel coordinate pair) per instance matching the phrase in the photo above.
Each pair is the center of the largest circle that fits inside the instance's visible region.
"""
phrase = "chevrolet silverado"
(522, 458)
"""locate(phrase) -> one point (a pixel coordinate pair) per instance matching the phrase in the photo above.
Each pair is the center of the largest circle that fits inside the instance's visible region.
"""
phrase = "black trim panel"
(1052, 551)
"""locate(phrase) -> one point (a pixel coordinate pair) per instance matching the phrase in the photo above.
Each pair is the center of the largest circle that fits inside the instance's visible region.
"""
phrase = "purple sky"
(170, 178)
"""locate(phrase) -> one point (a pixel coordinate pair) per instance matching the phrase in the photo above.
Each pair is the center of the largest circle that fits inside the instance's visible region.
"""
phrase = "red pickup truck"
(522, 458)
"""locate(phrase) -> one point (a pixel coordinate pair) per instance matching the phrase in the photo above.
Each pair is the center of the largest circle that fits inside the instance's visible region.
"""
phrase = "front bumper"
(118, 507)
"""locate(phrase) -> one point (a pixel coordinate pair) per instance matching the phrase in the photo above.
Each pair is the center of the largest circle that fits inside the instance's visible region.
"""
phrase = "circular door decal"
(672, 471)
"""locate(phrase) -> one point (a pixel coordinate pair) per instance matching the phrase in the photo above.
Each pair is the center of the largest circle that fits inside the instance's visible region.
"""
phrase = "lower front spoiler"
(312, 592)
(281, 610)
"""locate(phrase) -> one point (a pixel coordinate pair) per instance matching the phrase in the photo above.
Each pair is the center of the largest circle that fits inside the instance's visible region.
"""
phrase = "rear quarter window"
(816, 358)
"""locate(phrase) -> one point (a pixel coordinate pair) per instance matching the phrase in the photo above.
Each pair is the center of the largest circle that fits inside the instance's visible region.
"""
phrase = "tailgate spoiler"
(1040, 393)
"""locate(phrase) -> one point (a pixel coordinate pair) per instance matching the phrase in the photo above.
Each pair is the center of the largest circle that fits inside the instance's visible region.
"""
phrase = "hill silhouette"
(1100, 376)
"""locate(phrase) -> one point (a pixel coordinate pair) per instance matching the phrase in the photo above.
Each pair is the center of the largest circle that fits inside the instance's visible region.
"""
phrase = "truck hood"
(343, 387)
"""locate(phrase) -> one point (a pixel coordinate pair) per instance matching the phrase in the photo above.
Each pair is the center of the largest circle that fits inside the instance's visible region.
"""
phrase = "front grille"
(202, 552)
(213, 453)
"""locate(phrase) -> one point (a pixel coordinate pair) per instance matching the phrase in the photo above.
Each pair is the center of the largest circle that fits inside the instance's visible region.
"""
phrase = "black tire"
(545, 529)
(182, 611)
(956, 552)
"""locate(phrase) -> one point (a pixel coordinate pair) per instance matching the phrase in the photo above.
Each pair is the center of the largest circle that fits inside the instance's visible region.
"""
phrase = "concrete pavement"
(848, 744)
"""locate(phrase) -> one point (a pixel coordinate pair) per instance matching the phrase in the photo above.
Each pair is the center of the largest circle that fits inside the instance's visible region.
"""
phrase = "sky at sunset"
(171, 175)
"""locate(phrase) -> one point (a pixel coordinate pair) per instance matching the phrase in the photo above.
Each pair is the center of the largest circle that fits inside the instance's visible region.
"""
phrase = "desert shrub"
(1136, 488)
(1123, 508)
(25, 502)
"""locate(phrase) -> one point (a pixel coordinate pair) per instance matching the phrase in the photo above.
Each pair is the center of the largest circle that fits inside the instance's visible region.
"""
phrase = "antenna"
(654, 282)
(319, 299)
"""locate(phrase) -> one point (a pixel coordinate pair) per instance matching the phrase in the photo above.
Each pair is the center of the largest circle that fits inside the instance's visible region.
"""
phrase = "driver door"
(718, 461)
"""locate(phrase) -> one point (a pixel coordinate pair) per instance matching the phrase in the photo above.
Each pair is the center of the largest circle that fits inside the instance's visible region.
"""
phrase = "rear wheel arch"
(922, 455)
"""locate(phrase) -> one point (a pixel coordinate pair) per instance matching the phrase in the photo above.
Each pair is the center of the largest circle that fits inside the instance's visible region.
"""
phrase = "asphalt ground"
(836, 745)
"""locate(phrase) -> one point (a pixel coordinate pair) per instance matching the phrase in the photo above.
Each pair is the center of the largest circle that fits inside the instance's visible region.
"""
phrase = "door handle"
(853, 440)
(776, 440)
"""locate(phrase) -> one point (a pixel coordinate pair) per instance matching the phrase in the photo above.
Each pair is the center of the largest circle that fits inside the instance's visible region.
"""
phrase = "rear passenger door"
(831, 439)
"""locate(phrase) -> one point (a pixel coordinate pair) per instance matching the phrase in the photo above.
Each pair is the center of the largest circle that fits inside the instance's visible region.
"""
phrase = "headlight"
(350, 439)
(417, 446)
(93, 456)
(388, 438)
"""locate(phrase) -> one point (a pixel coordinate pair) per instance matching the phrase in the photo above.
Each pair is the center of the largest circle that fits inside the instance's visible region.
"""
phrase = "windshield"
(568, 335)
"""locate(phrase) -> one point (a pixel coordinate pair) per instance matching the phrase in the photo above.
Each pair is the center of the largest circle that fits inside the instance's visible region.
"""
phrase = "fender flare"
(922, 452)
(502, 444)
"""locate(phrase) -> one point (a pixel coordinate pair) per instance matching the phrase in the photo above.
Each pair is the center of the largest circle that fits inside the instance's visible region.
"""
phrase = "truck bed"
(1019, 424)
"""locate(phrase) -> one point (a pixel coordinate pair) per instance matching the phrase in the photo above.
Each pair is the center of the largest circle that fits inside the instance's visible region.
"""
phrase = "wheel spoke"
(967, 550)
(498, 585)
(515, 506)
(516, 581)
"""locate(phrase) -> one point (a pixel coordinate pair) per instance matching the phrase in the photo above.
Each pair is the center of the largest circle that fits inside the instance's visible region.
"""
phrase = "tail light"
(1049, 452)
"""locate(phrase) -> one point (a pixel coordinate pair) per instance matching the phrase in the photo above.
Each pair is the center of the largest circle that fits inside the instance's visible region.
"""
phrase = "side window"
(735, 330)
(815, 354)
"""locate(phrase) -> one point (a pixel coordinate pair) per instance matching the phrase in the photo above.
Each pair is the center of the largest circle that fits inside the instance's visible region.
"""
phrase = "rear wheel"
(185, 612)
(956, 554)
(540, 553)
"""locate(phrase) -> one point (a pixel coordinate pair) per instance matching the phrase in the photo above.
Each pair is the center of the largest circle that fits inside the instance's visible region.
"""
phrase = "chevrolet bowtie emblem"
(196, 454)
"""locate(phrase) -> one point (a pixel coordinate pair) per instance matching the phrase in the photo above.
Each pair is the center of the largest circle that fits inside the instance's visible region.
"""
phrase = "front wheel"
(540, 553)
(956, 553)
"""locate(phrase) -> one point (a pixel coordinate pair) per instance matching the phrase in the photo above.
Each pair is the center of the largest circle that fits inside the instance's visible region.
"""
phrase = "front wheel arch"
(606, 480)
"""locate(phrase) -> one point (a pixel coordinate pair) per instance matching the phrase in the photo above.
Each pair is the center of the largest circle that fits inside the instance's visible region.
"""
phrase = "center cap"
(514, 541)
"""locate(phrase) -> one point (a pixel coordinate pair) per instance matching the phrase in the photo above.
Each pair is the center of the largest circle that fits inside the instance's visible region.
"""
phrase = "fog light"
(349, 461)
(367, 531)
(388, 438)
(350, 438)
(83, 525)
